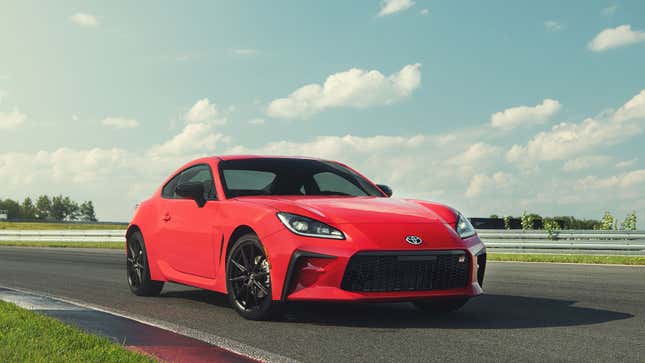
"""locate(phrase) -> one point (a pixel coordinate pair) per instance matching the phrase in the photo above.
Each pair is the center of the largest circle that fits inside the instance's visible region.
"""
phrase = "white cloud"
(525, 115)
(626, 180)
(118, 122)
(570, 139)
(586, 162)
(11, 120)
(257, 121)
(61, 165)
(389, 7)
(197, 138)
(85, 20)
(194, 139)
(480, 183)
(457, 168)
(626, 163)
(337, 146)
(204, 111)
(424, 12)
(610, 10)
(464, 168)
(616, 37)
(353, 88)
(244, 51)
(553, 26)
(475, 155)
(633, 109)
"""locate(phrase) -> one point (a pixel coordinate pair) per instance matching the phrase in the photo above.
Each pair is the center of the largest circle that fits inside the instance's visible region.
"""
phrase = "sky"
(490, 107)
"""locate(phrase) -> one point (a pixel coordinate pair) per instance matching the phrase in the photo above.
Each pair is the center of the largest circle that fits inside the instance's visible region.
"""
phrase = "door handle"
(166, 217)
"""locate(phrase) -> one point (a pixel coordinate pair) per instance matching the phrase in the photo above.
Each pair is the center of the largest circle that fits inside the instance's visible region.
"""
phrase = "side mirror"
(387, 190)
(192, 190)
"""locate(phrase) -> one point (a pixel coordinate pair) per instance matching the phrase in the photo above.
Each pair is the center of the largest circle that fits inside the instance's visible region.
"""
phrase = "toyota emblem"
(413, 240)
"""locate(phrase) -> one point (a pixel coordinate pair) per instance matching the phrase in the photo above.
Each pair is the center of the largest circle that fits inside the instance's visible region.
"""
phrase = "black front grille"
(407, 271)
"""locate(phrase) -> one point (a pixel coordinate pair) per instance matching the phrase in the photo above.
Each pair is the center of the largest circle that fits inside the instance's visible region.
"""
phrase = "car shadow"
(484, 312)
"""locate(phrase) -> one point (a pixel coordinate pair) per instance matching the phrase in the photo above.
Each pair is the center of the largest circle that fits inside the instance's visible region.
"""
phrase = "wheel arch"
(238, 232)
(155, 273)
(131, 229)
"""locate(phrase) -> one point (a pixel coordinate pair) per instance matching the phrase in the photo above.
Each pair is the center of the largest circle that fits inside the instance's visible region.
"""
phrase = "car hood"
(356, 210)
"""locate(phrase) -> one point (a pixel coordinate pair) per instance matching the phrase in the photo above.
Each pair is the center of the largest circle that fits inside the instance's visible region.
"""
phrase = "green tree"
(570, 222)
(629, 224)
(57, 211)
(12, 207)
(507, 222)
(27, 209)
(527, 221)
(86, 211)
(43, 207)
(72, 209)
(493, 216)
(551, 226)
(64, 209)
(607, 222)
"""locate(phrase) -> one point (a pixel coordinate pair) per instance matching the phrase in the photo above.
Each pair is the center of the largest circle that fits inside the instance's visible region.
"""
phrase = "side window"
(199, 173)
(168, 190)
(330, 184)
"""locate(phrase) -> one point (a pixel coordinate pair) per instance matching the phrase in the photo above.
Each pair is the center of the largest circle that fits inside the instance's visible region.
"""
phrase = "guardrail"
(564, 240)
(512, 240)
(69, 235)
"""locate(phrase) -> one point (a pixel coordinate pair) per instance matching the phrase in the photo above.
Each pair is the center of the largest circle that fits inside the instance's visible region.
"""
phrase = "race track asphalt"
(531, 312)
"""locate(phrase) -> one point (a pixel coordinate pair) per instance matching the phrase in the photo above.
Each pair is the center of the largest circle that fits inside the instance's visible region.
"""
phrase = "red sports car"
(267, 230)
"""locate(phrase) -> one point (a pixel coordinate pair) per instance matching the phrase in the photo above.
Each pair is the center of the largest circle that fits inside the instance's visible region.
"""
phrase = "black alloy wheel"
(137, 268)
(248, 279)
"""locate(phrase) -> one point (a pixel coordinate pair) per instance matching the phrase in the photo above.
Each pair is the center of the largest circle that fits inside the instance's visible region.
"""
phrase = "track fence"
(495, 240)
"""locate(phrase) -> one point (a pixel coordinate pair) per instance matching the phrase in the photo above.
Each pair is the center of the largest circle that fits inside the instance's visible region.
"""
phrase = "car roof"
(239, 157)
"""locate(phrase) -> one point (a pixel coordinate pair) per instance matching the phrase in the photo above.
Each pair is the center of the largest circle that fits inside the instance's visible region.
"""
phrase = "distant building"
(4, 215)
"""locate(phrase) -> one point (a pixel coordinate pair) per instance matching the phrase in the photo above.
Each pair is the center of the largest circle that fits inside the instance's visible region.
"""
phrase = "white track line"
(221, 342)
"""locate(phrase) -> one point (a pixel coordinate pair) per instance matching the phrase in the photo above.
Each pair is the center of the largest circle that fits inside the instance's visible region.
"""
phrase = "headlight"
(464, 228)
(309, 227)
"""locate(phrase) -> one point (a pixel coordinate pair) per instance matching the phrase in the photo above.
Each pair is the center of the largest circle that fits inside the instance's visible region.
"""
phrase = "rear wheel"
(138, 269)
(248, 281)
(441, 305)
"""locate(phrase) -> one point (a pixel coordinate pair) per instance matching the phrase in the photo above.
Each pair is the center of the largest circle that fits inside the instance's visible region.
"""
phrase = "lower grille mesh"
(406, 271)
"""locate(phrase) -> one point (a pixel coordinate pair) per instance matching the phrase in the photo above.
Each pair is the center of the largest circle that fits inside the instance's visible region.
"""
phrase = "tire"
(138, 271)
(248, 280)
(441, 305)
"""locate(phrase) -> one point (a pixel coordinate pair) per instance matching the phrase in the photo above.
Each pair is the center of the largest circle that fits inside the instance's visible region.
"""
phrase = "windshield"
(282, 176)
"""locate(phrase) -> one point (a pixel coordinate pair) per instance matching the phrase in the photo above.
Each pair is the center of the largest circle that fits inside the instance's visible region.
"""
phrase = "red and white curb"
(165, 341)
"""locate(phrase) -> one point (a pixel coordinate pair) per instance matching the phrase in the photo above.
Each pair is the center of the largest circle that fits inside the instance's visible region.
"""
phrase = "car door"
(192, 240)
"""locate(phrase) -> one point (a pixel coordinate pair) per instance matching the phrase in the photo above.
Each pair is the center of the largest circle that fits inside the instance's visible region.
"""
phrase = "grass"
(108, 245)
(29, 337)
(590, 259)
(45, 226)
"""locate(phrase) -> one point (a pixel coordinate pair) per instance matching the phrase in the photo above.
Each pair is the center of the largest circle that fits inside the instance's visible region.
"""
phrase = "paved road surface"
(532, 312)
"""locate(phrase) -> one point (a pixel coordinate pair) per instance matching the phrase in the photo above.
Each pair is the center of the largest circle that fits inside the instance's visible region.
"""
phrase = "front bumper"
(315, 272)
